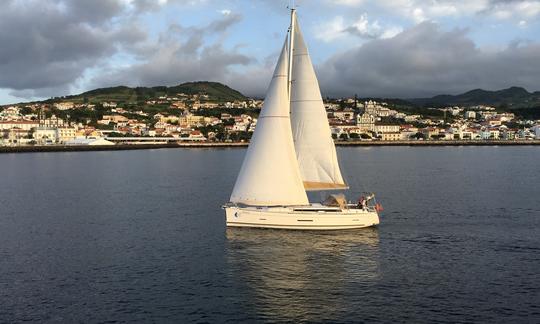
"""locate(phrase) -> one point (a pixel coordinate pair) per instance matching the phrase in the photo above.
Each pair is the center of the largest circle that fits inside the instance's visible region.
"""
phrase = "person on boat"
(362, 202)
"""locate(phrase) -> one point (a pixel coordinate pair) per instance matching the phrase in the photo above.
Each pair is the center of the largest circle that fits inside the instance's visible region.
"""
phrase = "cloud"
(425, 61)
(49, 44)
(56, 47)
(421, 10)
(347, 2)
(362, 27)
(181, 54)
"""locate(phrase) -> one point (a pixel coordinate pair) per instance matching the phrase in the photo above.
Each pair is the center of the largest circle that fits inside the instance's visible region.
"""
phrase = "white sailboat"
(292, 152)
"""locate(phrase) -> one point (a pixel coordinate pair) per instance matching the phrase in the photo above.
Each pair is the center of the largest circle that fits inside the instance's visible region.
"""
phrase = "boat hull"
(300, 219)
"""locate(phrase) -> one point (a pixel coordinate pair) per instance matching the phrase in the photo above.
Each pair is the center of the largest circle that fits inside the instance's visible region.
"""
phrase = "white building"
(365, 122)
(64, 105)
(45, 135)
(411, 118)
(22, 124)
(470, 114)
(89, 141)
(536, 130)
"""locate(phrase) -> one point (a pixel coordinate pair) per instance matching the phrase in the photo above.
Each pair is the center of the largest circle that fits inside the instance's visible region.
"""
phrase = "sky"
(385, 48)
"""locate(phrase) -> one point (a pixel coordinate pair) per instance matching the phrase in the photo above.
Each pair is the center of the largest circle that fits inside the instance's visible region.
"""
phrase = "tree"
(26, 110)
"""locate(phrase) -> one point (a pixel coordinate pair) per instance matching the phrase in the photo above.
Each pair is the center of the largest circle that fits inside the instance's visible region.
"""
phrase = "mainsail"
(270, 174)
(315, 150)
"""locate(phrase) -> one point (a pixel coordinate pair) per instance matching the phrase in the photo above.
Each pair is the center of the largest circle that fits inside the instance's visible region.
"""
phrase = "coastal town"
(198, 117)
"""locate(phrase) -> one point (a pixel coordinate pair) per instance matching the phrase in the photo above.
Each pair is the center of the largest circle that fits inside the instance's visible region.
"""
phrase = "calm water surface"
(139, 236)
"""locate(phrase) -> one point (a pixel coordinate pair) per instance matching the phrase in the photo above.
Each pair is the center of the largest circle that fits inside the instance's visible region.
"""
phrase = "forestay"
(270, 174)
(315, 150)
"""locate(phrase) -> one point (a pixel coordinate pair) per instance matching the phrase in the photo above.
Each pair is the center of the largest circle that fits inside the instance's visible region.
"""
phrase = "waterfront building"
(407, 132)
(16, 136)
(89, 141)
(390, 136)
(65, 133)
(196, 135)
(365, 122)
(430, 132)
(489, 133)
(45, 135)
(383, 128)
(508, 134)
(25, 125)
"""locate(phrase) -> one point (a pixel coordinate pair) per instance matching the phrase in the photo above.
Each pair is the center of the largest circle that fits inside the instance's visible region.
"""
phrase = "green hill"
(215, 91)
(514, 97)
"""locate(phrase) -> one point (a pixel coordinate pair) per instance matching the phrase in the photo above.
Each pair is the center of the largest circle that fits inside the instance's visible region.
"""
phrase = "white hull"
(313, 217)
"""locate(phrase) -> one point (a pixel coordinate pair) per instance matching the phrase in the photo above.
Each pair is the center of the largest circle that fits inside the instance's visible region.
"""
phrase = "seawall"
(120, 147)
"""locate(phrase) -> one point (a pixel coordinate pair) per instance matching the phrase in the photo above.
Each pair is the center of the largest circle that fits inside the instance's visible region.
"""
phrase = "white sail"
(270, 174)
(315, 150)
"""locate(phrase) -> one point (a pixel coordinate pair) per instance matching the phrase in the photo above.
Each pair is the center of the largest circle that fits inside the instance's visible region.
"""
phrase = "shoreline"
(122, 147)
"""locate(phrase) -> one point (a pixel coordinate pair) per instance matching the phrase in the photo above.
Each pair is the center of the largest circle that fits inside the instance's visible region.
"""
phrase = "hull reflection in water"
(303, 276)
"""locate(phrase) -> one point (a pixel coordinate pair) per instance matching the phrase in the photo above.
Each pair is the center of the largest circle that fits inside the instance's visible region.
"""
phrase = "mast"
(291, 50)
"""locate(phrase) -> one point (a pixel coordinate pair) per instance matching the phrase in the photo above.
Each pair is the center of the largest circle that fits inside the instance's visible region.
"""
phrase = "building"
(109, 104)
(64, 105)
(346, 114)
(20, 124)
(10, 113)
(411, 118)
(365, 122)
(196, 136)
(382, 128)
(89, 141)
(45, 135)
(430, 132)
(16, 136)
(65, 134)
(470, 114)
(390, 136)
(407, 132)
(190, 119)
(508, 134)
(113, 119)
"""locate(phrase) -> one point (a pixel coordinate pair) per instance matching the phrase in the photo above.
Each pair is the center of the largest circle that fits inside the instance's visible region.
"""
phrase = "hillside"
(215, 91)
(514, 97)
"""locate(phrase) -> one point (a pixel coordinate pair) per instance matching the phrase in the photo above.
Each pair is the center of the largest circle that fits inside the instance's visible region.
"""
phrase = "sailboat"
(292, 152)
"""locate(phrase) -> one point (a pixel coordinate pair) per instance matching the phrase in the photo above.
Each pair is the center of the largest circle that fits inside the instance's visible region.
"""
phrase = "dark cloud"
(425, 61)
(47, 45)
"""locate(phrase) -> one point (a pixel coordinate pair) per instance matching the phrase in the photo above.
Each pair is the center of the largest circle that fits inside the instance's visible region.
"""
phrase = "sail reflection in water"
(303, 275)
